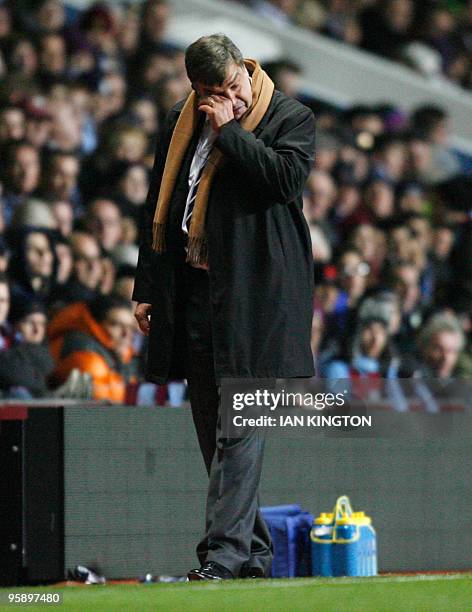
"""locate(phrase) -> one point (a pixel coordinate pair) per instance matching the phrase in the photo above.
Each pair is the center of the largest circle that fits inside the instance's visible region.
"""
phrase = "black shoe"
(253, 572)
(210, 571)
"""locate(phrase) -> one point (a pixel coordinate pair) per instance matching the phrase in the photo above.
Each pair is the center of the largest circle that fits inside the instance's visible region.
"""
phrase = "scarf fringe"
(159, 237)
(197, 250)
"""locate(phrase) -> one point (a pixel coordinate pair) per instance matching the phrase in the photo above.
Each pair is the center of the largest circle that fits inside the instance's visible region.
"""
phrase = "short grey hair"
(438, 323)
(208, 58)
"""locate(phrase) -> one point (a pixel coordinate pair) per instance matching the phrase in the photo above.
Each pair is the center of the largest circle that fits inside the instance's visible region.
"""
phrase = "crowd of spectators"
(431, 36)
(82, 96)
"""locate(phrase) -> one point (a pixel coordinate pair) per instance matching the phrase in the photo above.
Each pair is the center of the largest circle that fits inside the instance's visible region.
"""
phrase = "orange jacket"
(77, 340)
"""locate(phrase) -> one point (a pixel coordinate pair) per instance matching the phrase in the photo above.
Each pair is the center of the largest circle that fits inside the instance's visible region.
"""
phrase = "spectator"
(406, 285)
(327, 151)
(22, 57)
(65, 261)
(128, 32)
(432, 122)
(5, 25)
(342, 23)
(286, 76)
(144, 111)
(155, 15)
(120, 146)
(412, 198)
(38, 123)
(318, 200)
(439, 33)
(131, 191)
(104, 221)
(65, 129)
(386, 26)
(124, 281)
(111, 97)
(21, 175)
(389, 158)
(369, 355)
(50, 16)
(371, 244)
(97, 339)
(441, 343)
(351, 274)
(52, 60)
(87, 271)
(33, 265)
(61, 177)
(64, 217)
(27, 364)
(12, 124)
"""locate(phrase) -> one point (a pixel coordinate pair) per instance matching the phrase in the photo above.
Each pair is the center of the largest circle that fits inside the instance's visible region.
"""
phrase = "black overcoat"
(260, 254)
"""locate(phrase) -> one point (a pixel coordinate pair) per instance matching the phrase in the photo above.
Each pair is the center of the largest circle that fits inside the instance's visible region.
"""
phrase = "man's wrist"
(227, 127)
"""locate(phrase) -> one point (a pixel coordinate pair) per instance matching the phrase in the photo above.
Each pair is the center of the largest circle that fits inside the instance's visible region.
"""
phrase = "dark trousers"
(236, 535)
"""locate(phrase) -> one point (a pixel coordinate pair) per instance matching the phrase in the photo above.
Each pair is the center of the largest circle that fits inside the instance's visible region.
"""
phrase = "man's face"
(64, 215)
(12, 124)
(121, 325)
(25, 170)
(105, 223)
(236, 87)
(406, 283)
(39, 256)
(443, 352)
(63, 177)
(87, 262)
(135, 184)
(373, 339)
(53, 54)
(33, 327)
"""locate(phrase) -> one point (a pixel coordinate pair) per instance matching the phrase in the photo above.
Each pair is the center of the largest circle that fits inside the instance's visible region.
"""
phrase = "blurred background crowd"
(388, 202)
(431, 36)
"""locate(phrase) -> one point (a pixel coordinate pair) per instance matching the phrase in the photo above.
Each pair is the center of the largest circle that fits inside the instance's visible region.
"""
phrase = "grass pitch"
(418, 593)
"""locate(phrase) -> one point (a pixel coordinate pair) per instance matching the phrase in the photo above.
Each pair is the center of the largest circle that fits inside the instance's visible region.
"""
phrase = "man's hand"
(142, 315)
(218, 109)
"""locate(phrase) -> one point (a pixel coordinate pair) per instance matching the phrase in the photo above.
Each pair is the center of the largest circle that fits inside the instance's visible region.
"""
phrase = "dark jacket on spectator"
(27, 366)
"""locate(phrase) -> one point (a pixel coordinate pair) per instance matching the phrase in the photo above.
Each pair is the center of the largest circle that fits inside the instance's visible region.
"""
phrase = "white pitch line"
(303, 582)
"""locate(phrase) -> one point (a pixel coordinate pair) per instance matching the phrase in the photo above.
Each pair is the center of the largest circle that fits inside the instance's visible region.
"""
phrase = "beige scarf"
(262, 90)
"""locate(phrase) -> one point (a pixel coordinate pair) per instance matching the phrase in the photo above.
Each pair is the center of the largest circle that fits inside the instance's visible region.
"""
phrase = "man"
(12, 123)
(104, 221)
(87, 272)
(441, 344)
(60, 181)
(96, 338)
(224, 278)
(22, 174)
(405, 282)
(27, 364)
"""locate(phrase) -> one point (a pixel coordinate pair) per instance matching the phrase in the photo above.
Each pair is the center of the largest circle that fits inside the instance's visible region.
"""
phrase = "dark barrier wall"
(135, 488)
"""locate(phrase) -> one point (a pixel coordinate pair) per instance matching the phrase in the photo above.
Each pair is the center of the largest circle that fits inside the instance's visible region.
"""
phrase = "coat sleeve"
(280, 170)
(145, 270)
